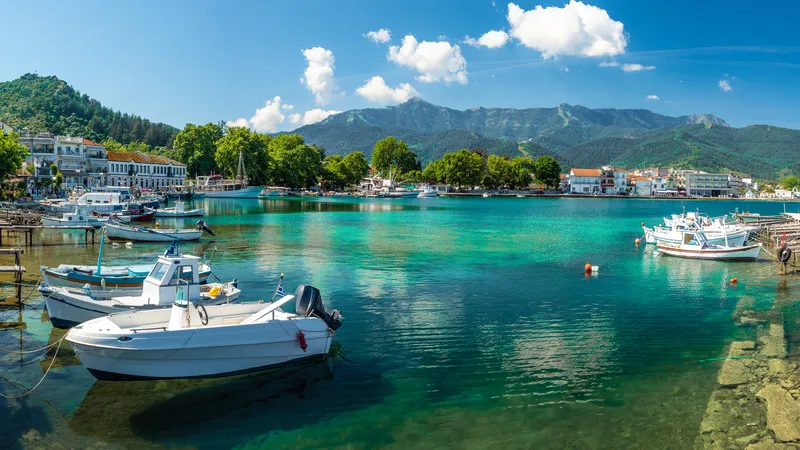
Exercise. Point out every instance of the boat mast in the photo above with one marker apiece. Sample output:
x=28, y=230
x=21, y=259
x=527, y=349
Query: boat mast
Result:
x=241, y=173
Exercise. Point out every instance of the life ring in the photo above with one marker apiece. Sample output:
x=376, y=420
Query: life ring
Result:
x=201, y=311
x=80, y=218
x=69, y=218
x=784, y=253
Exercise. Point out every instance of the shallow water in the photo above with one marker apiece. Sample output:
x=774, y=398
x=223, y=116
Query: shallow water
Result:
x=468, y=323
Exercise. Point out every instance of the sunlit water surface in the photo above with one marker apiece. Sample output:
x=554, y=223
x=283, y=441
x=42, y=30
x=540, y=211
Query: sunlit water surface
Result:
x=468, y=323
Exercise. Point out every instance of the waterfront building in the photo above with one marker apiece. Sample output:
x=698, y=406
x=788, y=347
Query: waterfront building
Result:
x=563, y=182
x=710, y=184
x=620, y=181
x=95, y=163
x=660, y=186
x=70, y=161
x=735, y=183
x=585, y=181
x=642, y=186
x=607, y=180
x=144, y=170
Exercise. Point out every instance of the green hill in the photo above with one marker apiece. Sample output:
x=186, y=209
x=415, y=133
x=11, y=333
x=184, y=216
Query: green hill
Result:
x=49, y=104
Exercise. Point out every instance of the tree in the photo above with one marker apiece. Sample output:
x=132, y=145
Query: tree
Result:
x=392, y=156
x=333, y=174
x=463, y=168
x=498, y=172
x=791, y=182
x=547, y=171
x=434, y=171
x=521, y=174
x=254, y=148
x=196, y=146
x=356, y=167
x=12, y=153
x=59, y=178
x=294, y=163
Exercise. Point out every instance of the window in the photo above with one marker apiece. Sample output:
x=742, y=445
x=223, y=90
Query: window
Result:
x=158, y=272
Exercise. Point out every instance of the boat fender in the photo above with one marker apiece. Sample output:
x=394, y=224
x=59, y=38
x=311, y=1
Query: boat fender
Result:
x=302, y=339
x=784, y=253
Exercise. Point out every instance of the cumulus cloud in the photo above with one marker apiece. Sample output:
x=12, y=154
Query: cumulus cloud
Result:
x=265, y=120
x=725, y=85
x=435, y=61
x=491, y=39
x=577, y=29
x=311, y=116
x=318, y=76
x=609, y=64
x=636, y=67
x=376, y=90
x=381, y=36
x=287, y=107
x=652, y=97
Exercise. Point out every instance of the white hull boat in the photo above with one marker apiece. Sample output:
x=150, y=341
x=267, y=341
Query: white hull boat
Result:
x=427, y=192
x=68, y=307
x=143, y=234
x=720, y=253
x=192, y=341
x=245, y=192
x=74, y=219
x=178, y=211
x=110, y=280
x=660, y=235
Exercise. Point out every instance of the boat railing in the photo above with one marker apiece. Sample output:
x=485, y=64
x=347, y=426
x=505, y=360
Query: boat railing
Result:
x=136, y=330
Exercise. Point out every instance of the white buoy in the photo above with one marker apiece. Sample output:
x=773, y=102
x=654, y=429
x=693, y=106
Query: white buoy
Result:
x=129, y=244
x=595, y=269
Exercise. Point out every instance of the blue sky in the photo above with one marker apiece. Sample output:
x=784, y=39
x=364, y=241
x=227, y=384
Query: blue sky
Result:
x=197, y=62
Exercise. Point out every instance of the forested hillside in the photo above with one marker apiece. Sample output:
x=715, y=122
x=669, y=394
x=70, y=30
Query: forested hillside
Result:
x=50, y=104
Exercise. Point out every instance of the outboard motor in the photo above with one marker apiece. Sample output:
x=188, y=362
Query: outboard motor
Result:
x=309, y=303
x=201, y=225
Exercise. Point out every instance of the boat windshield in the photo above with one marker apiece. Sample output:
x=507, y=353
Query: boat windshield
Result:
x=158, y=272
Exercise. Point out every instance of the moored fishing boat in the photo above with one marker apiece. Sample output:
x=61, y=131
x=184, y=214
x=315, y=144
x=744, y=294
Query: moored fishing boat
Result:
x=676, y=233
x=696, y=246
x=110, y=278
x=214, y=186
x=426, y=191
x=68, y=307
x=190, y=340
x=74, y=219
x=143, y=234
x=179, y=210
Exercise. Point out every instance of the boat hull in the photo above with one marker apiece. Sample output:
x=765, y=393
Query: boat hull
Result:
x=174, y=214
x=248, y=192
x=148, y=235
x=736, y=239
x=747, y=253
x=87, y=222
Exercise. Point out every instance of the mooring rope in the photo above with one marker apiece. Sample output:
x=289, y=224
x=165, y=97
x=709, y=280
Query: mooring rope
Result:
x=11, y=397
x=24, y=352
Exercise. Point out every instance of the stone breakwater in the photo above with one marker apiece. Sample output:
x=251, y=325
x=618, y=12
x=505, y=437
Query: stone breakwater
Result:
x=756, y=405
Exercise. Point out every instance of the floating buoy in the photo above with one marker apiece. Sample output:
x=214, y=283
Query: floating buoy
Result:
x=158, y=225
x=734, y=280
x=587, y=267
x=129, y=244
x=638, y=241
x=642, y=223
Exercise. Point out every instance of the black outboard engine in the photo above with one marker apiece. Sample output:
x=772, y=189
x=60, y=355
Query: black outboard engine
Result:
x=309, y=303
x=201, y=225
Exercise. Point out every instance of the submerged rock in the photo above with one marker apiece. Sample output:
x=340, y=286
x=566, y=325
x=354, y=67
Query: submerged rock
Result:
x=783, y=413
x=733, y=373
x=777, y=366
x=740, y=348
x=773, y=345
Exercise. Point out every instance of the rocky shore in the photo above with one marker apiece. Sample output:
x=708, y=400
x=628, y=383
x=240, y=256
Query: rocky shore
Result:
x=756, y=405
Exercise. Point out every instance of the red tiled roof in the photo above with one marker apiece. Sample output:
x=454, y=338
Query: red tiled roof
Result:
x=585, y=172
x=92, y=143
x=141, y=158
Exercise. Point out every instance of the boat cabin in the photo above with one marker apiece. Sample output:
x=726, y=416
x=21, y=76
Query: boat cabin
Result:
x=695, y=238
x=161, y=285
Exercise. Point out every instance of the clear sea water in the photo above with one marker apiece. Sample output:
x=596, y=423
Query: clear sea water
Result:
x=469, y=323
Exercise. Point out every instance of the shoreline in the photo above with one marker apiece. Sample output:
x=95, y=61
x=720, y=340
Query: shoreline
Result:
x=621, y=197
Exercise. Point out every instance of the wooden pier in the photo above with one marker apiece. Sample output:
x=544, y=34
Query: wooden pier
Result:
x=27, y=231
x=17, y=269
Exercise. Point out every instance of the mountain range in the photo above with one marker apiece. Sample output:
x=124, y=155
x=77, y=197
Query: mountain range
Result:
x=577, y=136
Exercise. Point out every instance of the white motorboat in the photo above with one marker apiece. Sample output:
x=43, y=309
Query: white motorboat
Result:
x=179, y=210
x=144, y=234
x=695, y=246
x=274, y=191
x=427, y=192
x=74, y=219
x=676, y=233
x=68, y=307
x=190, y=340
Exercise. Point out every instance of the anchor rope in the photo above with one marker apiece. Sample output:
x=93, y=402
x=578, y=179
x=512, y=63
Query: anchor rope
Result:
x=11, y=397
x=23, y=352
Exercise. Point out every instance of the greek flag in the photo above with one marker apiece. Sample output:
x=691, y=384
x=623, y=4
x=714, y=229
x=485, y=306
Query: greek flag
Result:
x=279, y=292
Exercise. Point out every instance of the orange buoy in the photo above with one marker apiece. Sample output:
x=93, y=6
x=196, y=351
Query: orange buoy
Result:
x=734, y=280
x=637, y=241
x=642, y=223
x=588, y=267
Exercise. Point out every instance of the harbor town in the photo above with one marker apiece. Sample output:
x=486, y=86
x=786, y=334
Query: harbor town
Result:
x=462, y=225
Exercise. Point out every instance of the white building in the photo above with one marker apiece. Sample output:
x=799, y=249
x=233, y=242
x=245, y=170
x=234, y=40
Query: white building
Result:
x=95, y=163
x=707, y=184
x=659, y=186
x=620, y=181
x=144, y=170
x=70, y=161
x=584, y=181
x=643, y=187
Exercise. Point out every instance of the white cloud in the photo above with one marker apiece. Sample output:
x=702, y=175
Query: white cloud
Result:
x=265, y=120
x=491, y=39
x=435, y=61
x=318, y=76
x=311, y=116
x=564, y=69
x=376, y=90
x=636, y=67
x=725, y=85
x=287, y=107
x=381, y=36
x=652, y=97
x=577, y=29
x=609, y=64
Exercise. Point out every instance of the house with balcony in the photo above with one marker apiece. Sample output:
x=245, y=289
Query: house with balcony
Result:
x=144, y=170
x=70, y=161
x=96, y=163
x=707, y=184
x=620, y=181
x=585, y=181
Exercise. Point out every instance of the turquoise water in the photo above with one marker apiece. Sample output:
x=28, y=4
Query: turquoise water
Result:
x=469, y=323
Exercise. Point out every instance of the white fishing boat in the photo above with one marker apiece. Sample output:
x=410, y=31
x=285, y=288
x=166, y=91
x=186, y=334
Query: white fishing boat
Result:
x=177, y=211
x=676, y=233
x=215, y=186
x=68, y=307
x=275, y=191
x=123, y=232
x=74, y=219
x=190, y=340
x=695, y=246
